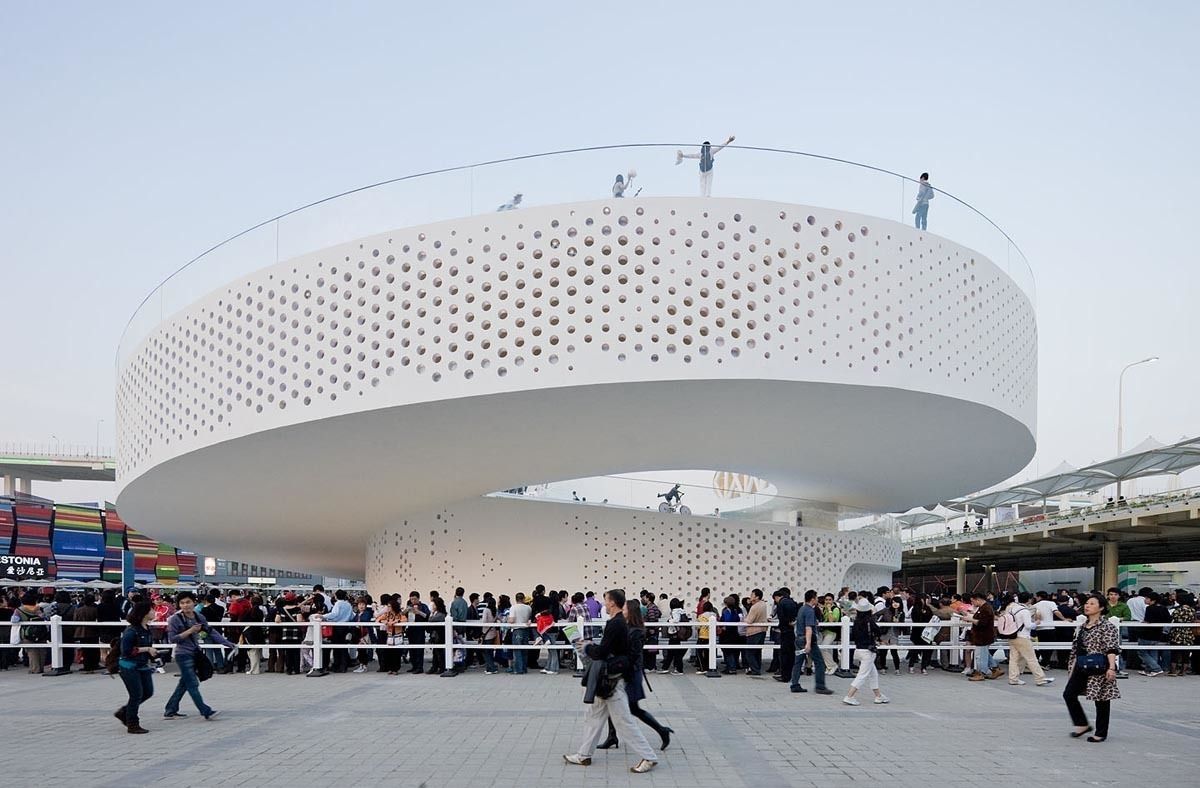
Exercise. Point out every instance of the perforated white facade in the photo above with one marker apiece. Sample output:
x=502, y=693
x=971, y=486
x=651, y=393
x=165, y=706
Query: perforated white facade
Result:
x=841, y=356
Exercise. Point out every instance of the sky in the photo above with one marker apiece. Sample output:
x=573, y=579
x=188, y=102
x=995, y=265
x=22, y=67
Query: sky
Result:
x=136, y=135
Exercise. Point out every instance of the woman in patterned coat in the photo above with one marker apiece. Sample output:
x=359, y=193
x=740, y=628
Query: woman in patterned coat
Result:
x=1096, y=636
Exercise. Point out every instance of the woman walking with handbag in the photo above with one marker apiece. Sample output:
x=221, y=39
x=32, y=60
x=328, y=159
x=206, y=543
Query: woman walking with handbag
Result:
x=1093, y=670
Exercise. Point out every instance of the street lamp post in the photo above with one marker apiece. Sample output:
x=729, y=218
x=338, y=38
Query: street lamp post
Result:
x=1121, y=409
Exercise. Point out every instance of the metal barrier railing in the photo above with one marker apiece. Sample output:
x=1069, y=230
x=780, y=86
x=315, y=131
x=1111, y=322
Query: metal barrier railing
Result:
x=319, y=642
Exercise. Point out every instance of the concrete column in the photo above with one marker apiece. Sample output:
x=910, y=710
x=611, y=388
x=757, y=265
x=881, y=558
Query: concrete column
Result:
x=9, y=486
x=989, y=572
x=960, y=575
x=1106, y=569
x=24, y=486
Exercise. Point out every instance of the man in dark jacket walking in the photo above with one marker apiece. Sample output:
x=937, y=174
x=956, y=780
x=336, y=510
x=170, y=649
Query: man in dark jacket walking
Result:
x=614, y=651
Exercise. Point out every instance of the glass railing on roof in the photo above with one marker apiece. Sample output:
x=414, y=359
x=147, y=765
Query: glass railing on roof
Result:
x=730, y=496
x=571, y=176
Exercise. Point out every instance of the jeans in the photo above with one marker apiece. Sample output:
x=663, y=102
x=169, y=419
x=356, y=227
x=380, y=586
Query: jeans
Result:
x=731, y=655
x=754, y=653
x=140, y=686
x=1076, y=686
x=187, y=683
x=984, y=662
x=520, y=637
x=216, y=655
x=1152, y=660
x=489, y=657
x=818, y=662
x=921, y=213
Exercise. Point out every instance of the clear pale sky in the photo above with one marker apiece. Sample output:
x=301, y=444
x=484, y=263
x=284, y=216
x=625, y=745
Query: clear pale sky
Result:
x=135, y=135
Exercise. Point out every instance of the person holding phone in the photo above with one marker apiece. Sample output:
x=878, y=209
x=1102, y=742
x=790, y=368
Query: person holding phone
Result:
x=183, y=630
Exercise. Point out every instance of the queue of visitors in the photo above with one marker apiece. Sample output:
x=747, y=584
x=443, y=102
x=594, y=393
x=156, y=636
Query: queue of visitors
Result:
x=225, y=629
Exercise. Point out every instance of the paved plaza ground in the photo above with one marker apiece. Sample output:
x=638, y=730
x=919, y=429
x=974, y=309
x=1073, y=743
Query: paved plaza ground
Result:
x=477, y=730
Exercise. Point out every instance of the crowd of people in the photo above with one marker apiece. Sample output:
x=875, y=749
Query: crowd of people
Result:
x=407, y=633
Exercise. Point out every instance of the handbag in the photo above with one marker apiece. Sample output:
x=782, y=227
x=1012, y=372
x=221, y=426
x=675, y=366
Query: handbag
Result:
x=203, y=666
x=1092, y=663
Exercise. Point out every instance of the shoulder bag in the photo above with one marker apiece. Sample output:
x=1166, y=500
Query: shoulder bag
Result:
x=1091, y=663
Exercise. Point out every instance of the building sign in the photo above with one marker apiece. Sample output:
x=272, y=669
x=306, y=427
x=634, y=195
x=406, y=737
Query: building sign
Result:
x=22, y=567
x=261, y=581
x=210, y=566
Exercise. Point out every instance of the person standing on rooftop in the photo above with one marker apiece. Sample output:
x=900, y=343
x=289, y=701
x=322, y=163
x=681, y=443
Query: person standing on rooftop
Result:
x=921, y=212
x=706, y=155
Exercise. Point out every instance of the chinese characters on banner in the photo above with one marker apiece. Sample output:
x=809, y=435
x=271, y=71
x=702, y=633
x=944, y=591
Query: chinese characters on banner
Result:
x=22, y=567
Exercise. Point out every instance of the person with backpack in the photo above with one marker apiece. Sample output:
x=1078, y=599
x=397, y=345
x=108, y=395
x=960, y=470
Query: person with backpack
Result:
x=707, y=156
x=132, y=661
x=32, y=638
x=87, y=612
x=1014, y=625
x=183, y=629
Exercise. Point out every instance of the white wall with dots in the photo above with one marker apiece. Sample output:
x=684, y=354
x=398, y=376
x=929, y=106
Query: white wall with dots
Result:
x=598, y=292
x=506, y=545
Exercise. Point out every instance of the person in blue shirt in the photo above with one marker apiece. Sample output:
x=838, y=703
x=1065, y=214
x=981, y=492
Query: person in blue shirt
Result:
x=137, y=646
x=183, y=630
x=807, y=642
x=338, y=658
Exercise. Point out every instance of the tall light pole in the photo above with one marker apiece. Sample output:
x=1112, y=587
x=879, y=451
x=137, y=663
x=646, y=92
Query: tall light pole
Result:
x=1121, y=409
x=98, y=423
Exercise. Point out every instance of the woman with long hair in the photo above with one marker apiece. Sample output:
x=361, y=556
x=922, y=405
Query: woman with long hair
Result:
x=1096, y=636
x=893, y=613
x=635, y=689
x=137, y=646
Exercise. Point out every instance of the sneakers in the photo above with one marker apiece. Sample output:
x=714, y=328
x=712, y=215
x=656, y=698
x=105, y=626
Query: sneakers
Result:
x=676, y=672
x=643, y=766
x=1045, y=681
x=1122, y=674
x=578, y=760
x=823, y=691
x=490, y=672
x=798, y=688
x=851, y=701
x=173, y=715
x=361, y=669
x=897, y=671
x=968, y=671
x=924, y=672
x=663, y=672
x=212, y=715
x=977, y=677
x=1150, y=673
x=882, y=699
x=1019, y=682
x=911, y=669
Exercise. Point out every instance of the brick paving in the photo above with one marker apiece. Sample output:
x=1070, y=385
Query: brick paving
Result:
x=476, y=730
